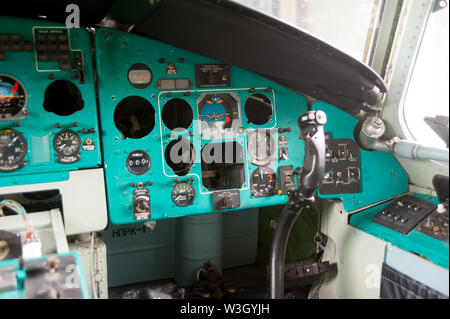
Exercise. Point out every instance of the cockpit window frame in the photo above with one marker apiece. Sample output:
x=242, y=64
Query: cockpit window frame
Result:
x=404, y=123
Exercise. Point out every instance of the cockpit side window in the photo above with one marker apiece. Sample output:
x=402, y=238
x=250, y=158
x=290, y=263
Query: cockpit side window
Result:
x=427, y=94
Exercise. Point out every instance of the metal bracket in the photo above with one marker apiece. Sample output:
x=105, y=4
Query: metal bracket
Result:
x=306, y=268
x=439, y=5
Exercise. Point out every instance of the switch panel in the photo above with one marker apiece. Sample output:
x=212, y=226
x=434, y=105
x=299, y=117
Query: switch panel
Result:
x=436, y=225
x=404, y=213
x=141, y=204
x=53, y=45
x=226, y=200
x=283, y=154
x=342, y=168
x=13, y=43
x=287, y=181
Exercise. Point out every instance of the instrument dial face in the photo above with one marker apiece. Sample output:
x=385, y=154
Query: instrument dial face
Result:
x=183, y=194
x=138, y=162
x=218, y=112
x=263, y=182
x=140, y=76
x=13, y=148
x=261, y=145
x=67, y=143
x=13, y=97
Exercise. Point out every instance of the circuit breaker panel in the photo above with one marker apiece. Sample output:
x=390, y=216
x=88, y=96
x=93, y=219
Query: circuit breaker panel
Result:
x=342, y=167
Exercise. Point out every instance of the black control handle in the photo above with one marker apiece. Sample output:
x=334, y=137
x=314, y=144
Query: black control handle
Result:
x=311, y=127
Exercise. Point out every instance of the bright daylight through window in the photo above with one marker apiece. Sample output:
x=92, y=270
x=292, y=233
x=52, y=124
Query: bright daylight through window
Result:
x=427, y=94
x=345, y=24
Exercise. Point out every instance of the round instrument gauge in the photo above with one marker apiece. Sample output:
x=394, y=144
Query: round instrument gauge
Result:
x=138, y=162
x=261, y=146
x=140, y=76
x=218, y=111
x=13, y=148
x=13, y=96
x=183, y=194
x=263, y=182
x=67, y=143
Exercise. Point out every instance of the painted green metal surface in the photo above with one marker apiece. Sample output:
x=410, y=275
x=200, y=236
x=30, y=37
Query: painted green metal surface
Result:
x=19, y=293
x=381, y=175
x=301, y=244
x=39, y=127
x=416, y=242
x=116, y=52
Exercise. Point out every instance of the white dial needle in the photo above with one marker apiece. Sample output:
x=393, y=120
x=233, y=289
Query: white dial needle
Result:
x=13, y=141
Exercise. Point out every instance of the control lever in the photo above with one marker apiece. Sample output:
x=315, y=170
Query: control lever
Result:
x=311, y=127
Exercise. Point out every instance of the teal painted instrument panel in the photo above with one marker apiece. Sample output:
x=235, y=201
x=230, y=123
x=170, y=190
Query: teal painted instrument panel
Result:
x=415, y=242
x=381, y=174
x=116, y=53
x=21, y=275
x=39, y=127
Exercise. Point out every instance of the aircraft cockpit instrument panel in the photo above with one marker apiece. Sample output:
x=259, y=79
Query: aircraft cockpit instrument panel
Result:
x=48, y=117
x=181, y=134
x=185, y=135
x=187, y=132
x=120, y=143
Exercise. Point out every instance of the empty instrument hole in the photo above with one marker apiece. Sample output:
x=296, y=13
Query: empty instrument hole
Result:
x=258, y=109
x=63, y=98
x=134, y=117
x=177, y=114
x=180, y=156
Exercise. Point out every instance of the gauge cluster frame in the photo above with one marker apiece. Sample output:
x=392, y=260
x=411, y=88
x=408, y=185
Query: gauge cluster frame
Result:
x=38, y=126
x=116, y=52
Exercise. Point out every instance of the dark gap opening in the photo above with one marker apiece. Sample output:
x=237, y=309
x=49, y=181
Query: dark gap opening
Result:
x=225, y=169
x=180, y=156
x=258, y=109
x=63, y=98
x=177, y=113
x=35, y=202
x=134, y=117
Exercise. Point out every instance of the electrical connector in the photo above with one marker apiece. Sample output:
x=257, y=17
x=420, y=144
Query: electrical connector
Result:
x=31, y=248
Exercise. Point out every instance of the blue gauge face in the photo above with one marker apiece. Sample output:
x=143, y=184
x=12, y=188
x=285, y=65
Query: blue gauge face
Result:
x=12, y=96
x=213, y=110
x=218, y=110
